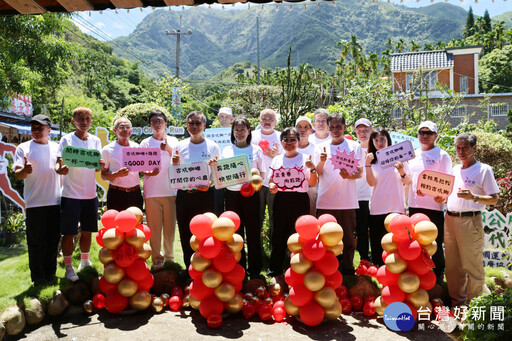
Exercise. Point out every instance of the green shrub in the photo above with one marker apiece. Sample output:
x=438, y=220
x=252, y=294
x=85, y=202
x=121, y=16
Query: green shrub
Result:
x=496, y=151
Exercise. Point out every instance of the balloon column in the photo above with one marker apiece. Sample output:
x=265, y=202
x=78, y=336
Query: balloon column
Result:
x=126, y=279
x=313, y=275
x=254, y=184
x=216, y=276
x=408, y=274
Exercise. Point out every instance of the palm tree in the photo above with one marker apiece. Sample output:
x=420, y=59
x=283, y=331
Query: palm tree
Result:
x=400, y=45
x=414, y=47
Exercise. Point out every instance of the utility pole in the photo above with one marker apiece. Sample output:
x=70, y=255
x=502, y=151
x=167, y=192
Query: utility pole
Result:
x=178, y=35
x=258, y=44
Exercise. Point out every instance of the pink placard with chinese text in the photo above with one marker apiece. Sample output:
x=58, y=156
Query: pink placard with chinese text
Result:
x=435, y=184
x=141, y=159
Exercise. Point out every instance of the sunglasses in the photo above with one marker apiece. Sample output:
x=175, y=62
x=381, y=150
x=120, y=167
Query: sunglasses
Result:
x=194, y=123
x=290, y=140
x=424, y=132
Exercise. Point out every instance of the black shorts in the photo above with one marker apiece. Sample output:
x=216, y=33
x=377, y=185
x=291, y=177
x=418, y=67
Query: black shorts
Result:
x=73, y=211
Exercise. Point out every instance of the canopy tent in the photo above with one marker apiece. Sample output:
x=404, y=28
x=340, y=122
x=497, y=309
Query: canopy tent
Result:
x=24, y=129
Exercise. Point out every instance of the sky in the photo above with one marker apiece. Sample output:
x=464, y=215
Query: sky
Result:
x=109, y=24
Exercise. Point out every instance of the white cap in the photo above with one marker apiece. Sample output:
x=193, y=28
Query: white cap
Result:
x=303, y=118
x=428, y=124
x=226, y=110
x=363, y=121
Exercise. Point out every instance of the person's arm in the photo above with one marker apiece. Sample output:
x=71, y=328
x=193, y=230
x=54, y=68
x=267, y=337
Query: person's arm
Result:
x=60, y=168
x=406, y=176
x=354, y=175
x=488, y=200
x=107, y=175
x=370, y=177
x=21, y=171
x=321, y=163
x=312, y=173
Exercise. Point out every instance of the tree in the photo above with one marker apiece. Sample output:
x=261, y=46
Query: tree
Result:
x=486, y=26
x=469, y=28
x=496, y=70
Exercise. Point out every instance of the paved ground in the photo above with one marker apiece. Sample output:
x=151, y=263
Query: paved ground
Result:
x=190, y=325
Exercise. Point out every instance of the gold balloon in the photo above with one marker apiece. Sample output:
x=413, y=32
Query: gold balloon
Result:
x=236, y=243
x=238, y=256
x=388, y=219
x=193, y=302
x=138, y=213
x=194, y=243
x=380, y=305
x=425, y=232
x=331, y=234
x=199, y=263
x=256, y=182
x=141, y=300
x=314, y=280
x=145, y=251
x=135, y=238
x=186, y=302
x=388, y=244
x=395, y=263
x=88, y=306
x=255, y=171
x=300, y=264
x=212, y=278
x=127, y=287
x=235, y=305
x=223, y=229
x=113, y=238
x=113, y=273
x=106, y=256
x=431, y=248
x=294, y=244
x=165, y=298
x=408, y=281
x=225, y=292
x=211, y=215
x=336, y=249
x=291, y=308
x=326, y=297
x=334, y=311
x=158, y=305
x=418, y=299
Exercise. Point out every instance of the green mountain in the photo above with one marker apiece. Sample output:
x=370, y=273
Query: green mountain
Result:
x=221, y=38
x=506, y=17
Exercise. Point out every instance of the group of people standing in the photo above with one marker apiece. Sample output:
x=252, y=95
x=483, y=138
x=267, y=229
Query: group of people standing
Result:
x=359, y=199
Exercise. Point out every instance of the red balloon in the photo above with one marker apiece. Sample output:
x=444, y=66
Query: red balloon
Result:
x=224, y=261
x=265, y=312
x=278, y=304
x=416, y=218
x=369, y=298
x=175, y=303
x=341, y=291
x=392, y=293
x=233, y=216
x=334, y=280
x=105, y=286
x=292, y=278
x=384, y=255
x=211, y=305
x=418, y=266
x=307, y=227
x=99, y=237
x=328, y=264
x=147, y=282
x=409, y=249
x=365, y=262
x=372, y=270
x=401, y=226
x=348, y=137
x=278, y=313
x=264, y=145
x=300, y=295
x=357, y=302
x=314, y=249
x=248, y=309
x=108, y=219
x=361, y=270
x=246, y=190
x=125, y=255
x=115, y=302
x=125, y=221
x=312, y=314
x=199, y=291
x=138, y=270
x=346, y=305
x=239, y=286
x=428, y=280
x=235, y=276
x=413, y=310
x=201, y=226
x=369, y=308
x=99, y=301
x=146, y=230
x=214, y=321
x=386, y=277
x=326, y=218
x=210, y=247
x=194, y=274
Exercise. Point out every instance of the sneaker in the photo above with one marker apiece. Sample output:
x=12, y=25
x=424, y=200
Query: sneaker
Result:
x=158, y=265
x=71, y=274
x=84, y=264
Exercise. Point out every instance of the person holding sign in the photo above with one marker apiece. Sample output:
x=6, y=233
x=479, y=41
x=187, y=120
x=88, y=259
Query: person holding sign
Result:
x=292, y=173
x=124, y=188
x=303, y=126
x=337, y=193
x=429, y=157
x=159, y=197
x=79, y=202
x=474, y=188
x=388, y=190
x=33, y=163
x=247, y=208
x=189, y=203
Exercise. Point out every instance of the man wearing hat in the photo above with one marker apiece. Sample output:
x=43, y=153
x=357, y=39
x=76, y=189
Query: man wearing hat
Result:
x=225, y=117
x=304, y=127
x=33, y=162
x=429, y=157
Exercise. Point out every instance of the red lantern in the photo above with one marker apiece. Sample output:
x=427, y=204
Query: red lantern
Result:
x=210, y=305
x=428, y=280
x=409, y=249
x=108, y=219
x=201, y=226
x=357, y=302
x=246, y=190
x=334, y=280
x=214, y=321
x=99, y=301
x=224, y=261
x=312, y=314
x=392, y=293
x=210, y=247
x=126, y=254
x=328, y=264
x=300, y=295
x=138, y=270
x=125, y=221
x=199, y=291
x=233, y=216
x=307, y=227
x=115, y=302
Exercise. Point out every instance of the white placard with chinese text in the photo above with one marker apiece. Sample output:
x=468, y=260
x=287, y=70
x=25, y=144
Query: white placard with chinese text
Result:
x=497, y=229
x=231, y=171
x=221, y=136
x=189, y=175
x=398, y=137
x=435, y=184
x=400, y=152
x=141, y=159
x=288, y=178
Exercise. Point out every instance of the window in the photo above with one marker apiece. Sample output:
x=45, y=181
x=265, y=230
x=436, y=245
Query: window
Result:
x=397, y=113
x=464, y=87
x=425, y=81
x=498, y=109
x=459, y=112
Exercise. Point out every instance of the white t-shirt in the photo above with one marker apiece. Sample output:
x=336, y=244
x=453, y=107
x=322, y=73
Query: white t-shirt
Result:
x=254, y=153
x=479, y=179
x=334, y=192
x=159, y=186
x=434, y=159
x=298, y=161
x=201, y=152
x=316, y=140
x=309, y=150
x=112, y=154
x=79, y=183
x=364, y=191
x=42, y=186
x=272, y=139
x=389, y=192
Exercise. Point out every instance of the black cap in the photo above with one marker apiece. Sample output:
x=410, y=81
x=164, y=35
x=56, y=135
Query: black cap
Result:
x=41, y=119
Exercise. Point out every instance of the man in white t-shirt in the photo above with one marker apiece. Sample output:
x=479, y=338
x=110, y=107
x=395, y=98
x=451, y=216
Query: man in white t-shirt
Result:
x=363, y=130
x=474, y=188
x=320, y=125
x=337, y=188
x=268, y=140
x=79, y=203
x=33, y=162
x=429, y=157
x=159, y=197
x=124, y=188
x=225, y=117
x=304, y=127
